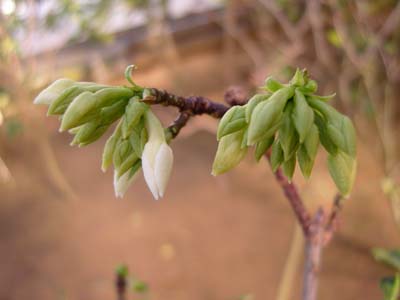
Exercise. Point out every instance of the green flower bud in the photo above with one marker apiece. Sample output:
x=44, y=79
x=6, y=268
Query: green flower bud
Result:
x=128, y=163
x=110, y=114
x=303, y=115
x=310, y=87
x=272, y=85
x=308, y=151
x=138, y=138
x=276, y=155
x=342, y=168
x=288, y=167
x=122, y=183
x=61, y=103
x=229, y=153
x=267, y=114
x=252, y=103
x=89, y=132
x=288, y=137
x=78, y=111
x=109, y=148
x=133, y=114
x=121, y=153
x=299, y=78
x=107, y=96
x=233, y=120
x=53, y=91
x=262, y=147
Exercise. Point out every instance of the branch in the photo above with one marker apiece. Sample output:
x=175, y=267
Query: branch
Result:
x=196, y=105
x=295, y=200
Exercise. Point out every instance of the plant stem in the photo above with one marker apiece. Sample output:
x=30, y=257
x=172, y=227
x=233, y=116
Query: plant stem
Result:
x=313, y=253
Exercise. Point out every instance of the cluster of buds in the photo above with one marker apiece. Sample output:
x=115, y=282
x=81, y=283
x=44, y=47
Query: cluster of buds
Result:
x=87, y=110
x=292, y=121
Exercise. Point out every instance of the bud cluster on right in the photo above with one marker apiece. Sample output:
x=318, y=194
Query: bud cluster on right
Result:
x=292, y=121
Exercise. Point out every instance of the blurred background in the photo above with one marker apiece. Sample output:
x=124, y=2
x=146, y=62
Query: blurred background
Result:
x=62, y=232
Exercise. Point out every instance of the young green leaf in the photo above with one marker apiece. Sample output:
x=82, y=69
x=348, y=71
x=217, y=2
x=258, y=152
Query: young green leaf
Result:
x=303, y=115
x=288, y=167
x=252, y=103
x=233, y=120
x=267, y=114
x=288, y=137
x=229, y=153
x=342, y=168
x=276, y=155
x=262, y=147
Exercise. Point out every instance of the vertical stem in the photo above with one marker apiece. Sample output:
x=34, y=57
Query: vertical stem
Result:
x=313, y=253
x=120, y=285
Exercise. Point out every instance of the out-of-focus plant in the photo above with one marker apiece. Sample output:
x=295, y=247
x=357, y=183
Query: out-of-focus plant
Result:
x=126, y=283
x=285, y=123
x=390, y=285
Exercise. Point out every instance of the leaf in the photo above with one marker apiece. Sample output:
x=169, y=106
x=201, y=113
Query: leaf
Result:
x=389, y=257
x=266, y=114
x=262, y=147
x=288, y=167
x=342, y=168
x=276, y=155
x=233, y=120
x=303, y=115
x=288, y=136
x=252, y=103
x=272, y=85
x=229, y=153
x=390, y=287
x=324, y=137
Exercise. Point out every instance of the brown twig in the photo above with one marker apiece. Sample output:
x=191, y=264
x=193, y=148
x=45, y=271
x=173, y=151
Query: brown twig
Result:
x=121, y=284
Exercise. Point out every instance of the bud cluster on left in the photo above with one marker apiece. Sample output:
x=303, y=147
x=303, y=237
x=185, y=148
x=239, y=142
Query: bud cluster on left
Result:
x=87, y=110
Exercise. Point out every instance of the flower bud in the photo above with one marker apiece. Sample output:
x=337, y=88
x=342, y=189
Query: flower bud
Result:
x=133, y=113
x=122, y=183
x=272, y=85
x=61, y=103
x=78, y=111
x=266, y=114
x=109, y=148
x=299, y=78
x=229, y=153
x=233, y=120
x=157, y=157
x=107, y=96
x=53, y=91
x=89, y=132
x=303, y=115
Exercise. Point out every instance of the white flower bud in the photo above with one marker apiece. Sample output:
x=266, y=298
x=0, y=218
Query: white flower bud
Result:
x=122, y=183
x=157, y=157
x=53, y=91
